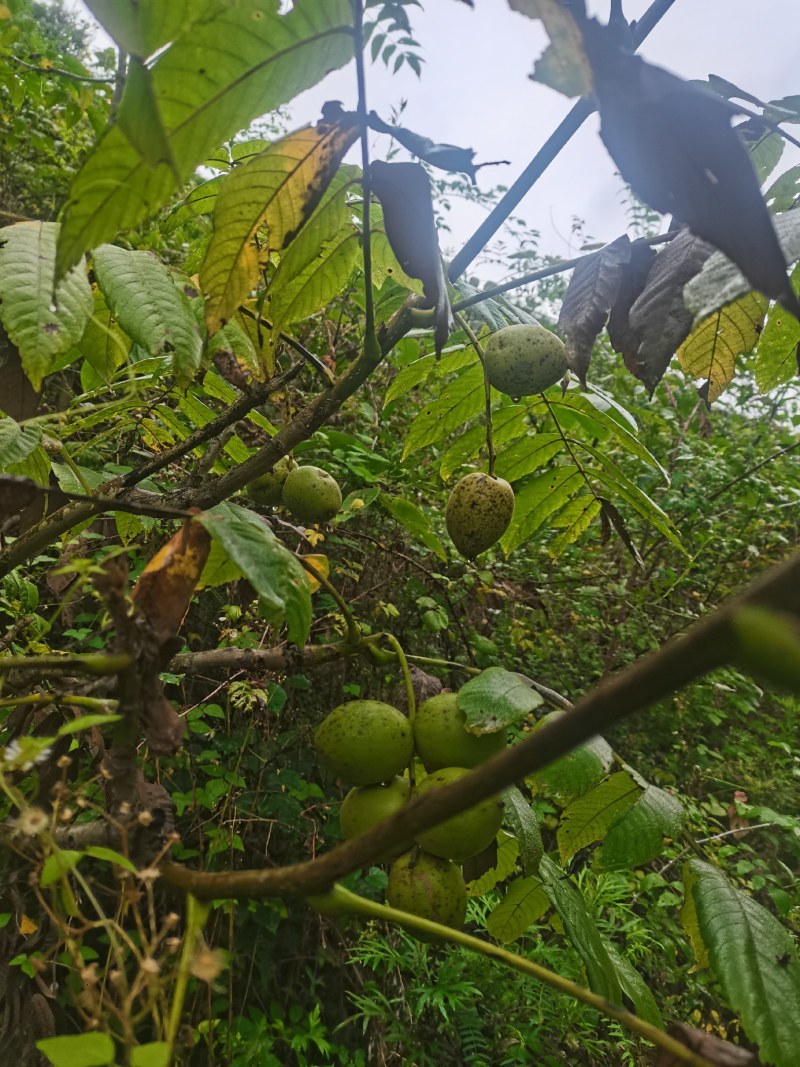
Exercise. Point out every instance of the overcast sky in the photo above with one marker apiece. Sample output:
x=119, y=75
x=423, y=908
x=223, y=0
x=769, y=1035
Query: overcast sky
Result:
x=475, y=92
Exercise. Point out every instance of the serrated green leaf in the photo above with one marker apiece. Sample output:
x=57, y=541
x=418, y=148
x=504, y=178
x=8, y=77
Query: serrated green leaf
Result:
x=279, y=188
x=267, y=59
x=537, y=500
x=421, y=370
x=272, y=570
x=522, y=818
x=149, y=307
x=589, y=818
x=57, y=864
x=638, y=835
x=754, y=959
x=574, y=519
x=417, y=524
x=634, y=987
x=711, y=348
x=41, y=327
x=17, y=442
x=524, y=903
x=78, y=1050
x=777, y=351
x=456, y=404
x=581, y=929
x=507, y=424
x=575, y=774
x=507, y=853
x=496, y=699
x=527, y=454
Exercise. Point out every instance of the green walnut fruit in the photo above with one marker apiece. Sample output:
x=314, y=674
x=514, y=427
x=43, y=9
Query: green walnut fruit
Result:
x=430, y=887
x=524, y=359
x=268, y=488
x=311, y=494
x=465, y=834
x=366, y=805
x=478, y=512
x=441, y=738
x=365, y=742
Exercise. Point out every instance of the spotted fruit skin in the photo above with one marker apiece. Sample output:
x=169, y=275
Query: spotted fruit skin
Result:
x=365, y=742
x=441, y=739
x=465, y=834
x=311, y=494
x=268, y=488
x=430, y=887
x=367, y=805
x=524, y=359
x=479, y=511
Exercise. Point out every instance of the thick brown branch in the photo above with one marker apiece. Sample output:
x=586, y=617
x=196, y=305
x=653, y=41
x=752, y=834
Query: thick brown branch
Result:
x=706, y=646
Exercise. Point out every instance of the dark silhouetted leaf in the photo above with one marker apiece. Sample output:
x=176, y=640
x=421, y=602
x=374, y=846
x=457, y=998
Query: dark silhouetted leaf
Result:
x=592, y=291
x=615, y=520
x=404, y=191
x=563, y=66
x=674, y=144
x=165, y=587
x=623, y=338
x=447, y=157
x=659, y=316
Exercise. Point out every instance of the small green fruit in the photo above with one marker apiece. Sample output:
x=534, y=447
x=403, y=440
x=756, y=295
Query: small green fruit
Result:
x=441, y=738
x=311, y=494
x=367, y=805
x=478, y=512
x=268, y=488
x=365, y=742
x=465, y=834
x=430, y=887
x=524, y=359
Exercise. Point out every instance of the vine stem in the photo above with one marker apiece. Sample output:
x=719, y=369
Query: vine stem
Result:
x=410, y=698
x=353, y=629
x=473, y=340
x=197, y=914
x=340, y=901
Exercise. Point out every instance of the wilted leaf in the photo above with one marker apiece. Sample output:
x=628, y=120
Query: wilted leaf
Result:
x=563, y=66
x=321, y=565
x=404, y=191
x=674, y=144
x=711, y=348
x=42, y=327
x=659, y=317
x=278, y=189
x=615, y=520
x=165, y=587
x=623, y=338
x=447, y=157
x=495, y=699
x=591, y=293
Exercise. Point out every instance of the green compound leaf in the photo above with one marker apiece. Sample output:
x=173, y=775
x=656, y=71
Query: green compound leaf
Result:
x=754, y=959
x=537, y=500
x=150, y=308
x=495, y=699
x=527, y=454
x=78, y=1050
x=278, y=189
x=581, y=929
x=272, y=570
x=574, y=519
x=17, y=442
x=421, y=370
x=204, y=94
x=589, y=818
x=524, y=903
x=777, y=352
x=458, y=402
x=575, y=774
x=522, y=818
x=638, y=836
x=41, y=326
x=417, y=524
x=507, y=424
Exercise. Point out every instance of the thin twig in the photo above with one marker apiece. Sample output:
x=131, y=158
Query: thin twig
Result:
x=82, y=78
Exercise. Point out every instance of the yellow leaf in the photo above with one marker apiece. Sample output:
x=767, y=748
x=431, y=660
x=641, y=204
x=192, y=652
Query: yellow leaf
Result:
x=321, y=565
x=314, y=537
x=26, y=925
x=5, y=12
x=711, y=348
x=277, y=189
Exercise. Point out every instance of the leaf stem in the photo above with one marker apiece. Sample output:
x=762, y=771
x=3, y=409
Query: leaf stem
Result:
x=353, y=629
x=465, y=326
